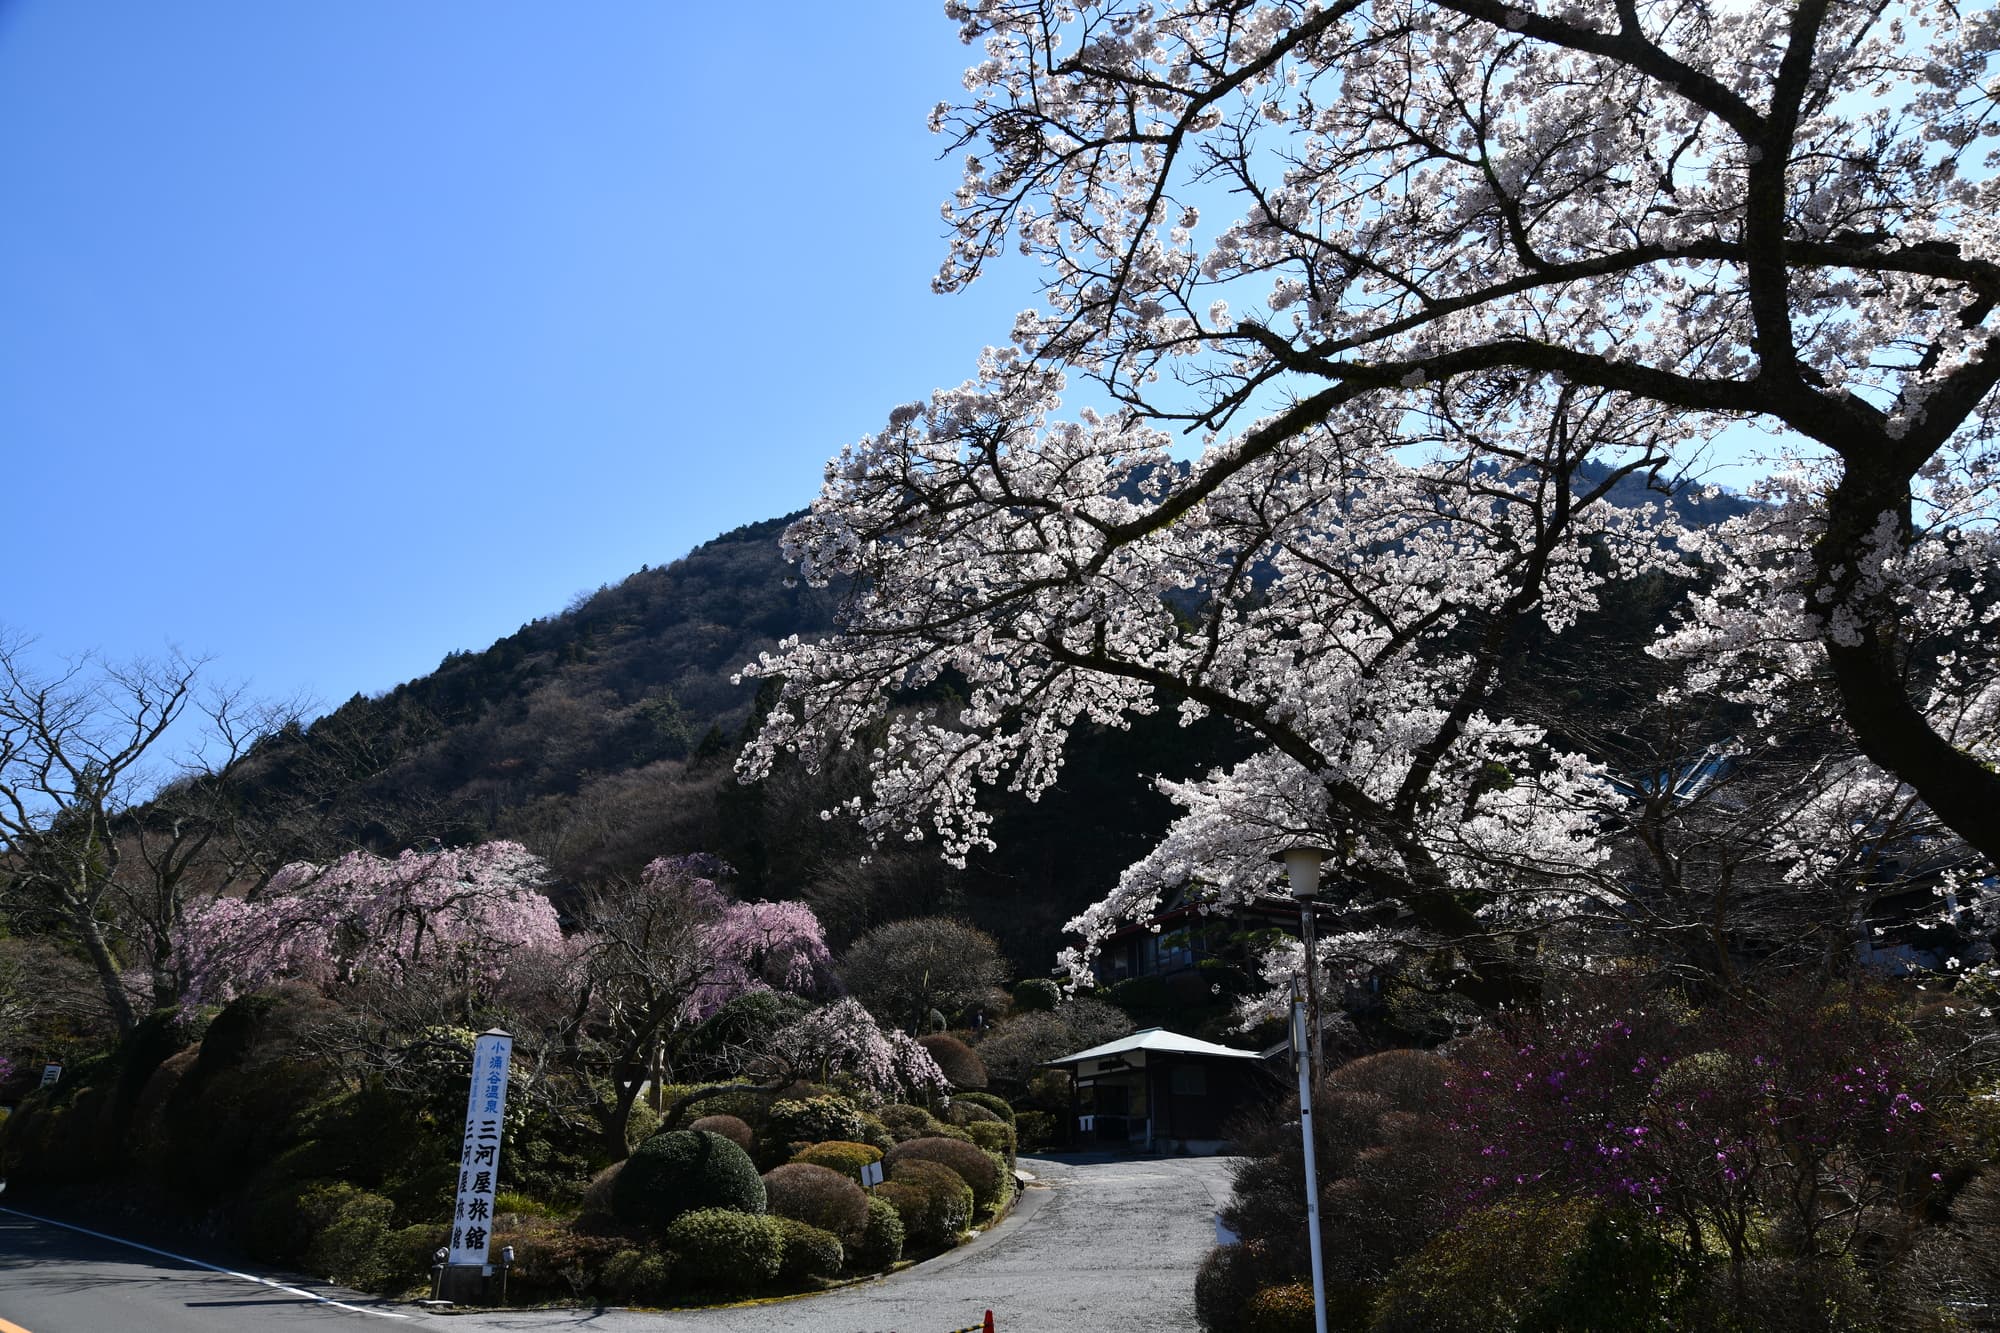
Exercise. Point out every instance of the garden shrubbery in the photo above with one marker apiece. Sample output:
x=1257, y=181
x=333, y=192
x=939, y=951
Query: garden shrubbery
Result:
x=846, y=1158
x=961, y=1064
x=812, y=1120
x=683, y=1171
x=881, y=1243
x=819, y=1195
x=726, y=1252
x=978, y=1168
x=991, y=1101
x=733, y=1128
x=810, y=1252
x=934, y=1202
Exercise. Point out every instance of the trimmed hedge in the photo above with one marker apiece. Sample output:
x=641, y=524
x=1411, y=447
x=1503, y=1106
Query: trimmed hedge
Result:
x=961, y=1064
x=810, y=1251
x=997, y=1137
x=974, y=1165
x=733, y=1128
x=992, y=1102
x=1036, y=995
x=966, y=1114
x=846, y=1158
x=933, y=1200
x=1033, y=1131
x=814, y=1120
x=727, y=1252
x=684, y=1171
x=881, y=1243
x=907, y=1122
x=819, y=1195
x=1223, y=1286
x=638, y=1276
x=1286, y=1309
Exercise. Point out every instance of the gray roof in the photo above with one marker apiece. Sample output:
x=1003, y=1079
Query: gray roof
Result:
x=1159, y=1041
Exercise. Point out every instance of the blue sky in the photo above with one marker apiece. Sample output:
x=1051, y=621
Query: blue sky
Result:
x=341, y=336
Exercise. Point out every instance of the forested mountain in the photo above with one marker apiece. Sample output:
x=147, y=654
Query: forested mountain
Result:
x=604, y=736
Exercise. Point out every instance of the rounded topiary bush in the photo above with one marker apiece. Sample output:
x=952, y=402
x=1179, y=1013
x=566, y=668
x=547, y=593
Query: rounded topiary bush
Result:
x=961, y=1064
x=643, y=1276
x=596, y=1200
x=733, y=1128
x=933, y=1200
x=1036, y=995
x=810, y=1251
x=991, y=1101
x=1033, y=1131
x=909, y=1122
x=819, y=1195
x=997, y=1137
x=846, y=1158
x=974, y=1165
x=881, y=1243
x=1285, y=1309
x=1223, y=1285
x=814, y=1120
x=726, y=1251
x=966, y=1114
x=682, y=1171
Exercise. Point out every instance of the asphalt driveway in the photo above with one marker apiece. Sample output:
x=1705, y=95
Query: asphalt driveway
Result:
x=1107, y=1245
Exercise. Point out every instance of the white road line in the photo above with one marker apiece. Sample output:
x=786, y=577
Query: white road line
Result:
x=226, y=1272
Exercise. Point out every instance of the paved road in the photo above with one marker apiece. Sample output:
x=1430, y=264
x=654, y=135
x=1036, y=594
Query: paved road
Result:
x=1098, y=1245
x=56, y=1280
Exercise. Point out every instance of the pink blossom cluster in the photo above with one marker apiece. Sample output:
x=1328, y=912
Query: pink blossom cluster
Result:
x=843, y=1040
x=366, y=916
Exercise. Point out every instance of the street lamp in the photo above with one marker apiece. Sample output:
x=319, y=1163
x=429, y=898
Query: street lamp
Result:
x=1302, y=874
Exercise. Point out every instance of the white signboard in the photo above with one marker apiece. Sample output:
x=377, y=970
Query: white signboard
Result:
x=871, y=1174
x=479, y=1155
x=50, y=1073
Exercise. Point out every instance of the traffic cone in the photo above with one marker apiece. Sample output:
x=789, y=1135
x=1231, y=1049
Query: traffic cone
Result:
x=989, y=1323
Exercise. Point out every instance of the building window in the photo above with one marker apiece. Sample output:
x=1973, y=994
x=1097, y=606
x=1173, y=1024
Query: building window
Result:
x=1190, y=1081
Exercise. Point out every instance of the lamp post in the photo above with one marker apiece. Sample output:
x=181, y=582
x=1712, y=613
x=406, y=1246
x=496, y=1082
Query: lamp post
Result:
x=1302, y=874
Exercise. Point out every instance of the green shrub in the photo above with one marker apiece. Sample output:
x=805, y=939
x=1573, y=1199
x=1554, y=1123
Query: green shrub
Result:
x=876, y=1134
x=819, y=1195
x=1529, y=1265
x=358, y=1252
x=961, y=1064
x=727, y=1252
x=906, y=1122
x=638, y=1277
x=810, y=1251
x=683, y=1171
x=881, y=1243
x=991, y=1101
x=1036, y=995
x=522, y=1205
x=747, y=1103
x=1223, y=1285
x=596, y=1200
x=966, y=1114
x=974, y=1165
x=997, y=1137
x=846, y=1158
x=814, y=1120
x=555, y=1263
x=279, y=1223
x=747, y=1023
x=1284, y=1309
x=933, y=1200
x=1033, y=1130
x=733, y=1128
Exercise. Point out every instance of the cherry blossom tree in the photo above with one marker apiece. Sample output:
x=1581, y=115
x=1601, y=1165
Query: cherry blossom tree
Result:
x=465, y=914
x=1486, y=262
x=658, y=956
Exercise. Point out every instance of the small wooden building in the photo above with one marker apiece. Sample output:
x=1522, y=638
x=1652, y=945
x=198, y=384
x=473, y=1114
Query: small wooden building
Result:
x=1159, y=1091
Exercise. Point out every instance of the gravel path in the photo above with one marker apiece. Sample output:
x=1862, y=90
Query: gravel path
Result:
x=1104, y=1245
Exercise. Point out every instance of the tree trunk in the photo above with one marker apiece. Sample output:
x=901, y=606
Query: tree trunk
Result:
x=109, y=975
